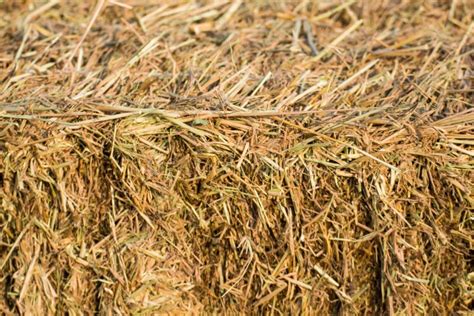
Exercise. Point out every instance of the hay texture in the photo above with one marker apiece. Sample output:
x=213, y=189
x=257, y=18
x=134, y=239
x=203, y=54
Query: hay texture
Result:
x=236, y=157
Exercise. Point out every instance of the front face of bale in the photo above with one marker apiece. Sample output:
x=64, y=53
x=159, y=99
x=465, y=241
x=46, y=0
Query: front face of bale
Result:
x=201, y=157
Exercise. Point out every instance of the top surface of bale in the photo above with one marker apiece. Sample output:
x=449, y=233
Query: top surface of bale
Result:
x=236, y=156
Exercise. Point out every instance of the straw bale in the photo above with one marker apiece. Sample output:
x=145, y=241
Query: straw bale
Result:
x=255, y=157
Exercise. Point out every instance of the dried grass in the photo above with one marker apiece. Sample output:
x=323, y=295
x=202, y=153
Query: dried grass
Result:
x=236, y=156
